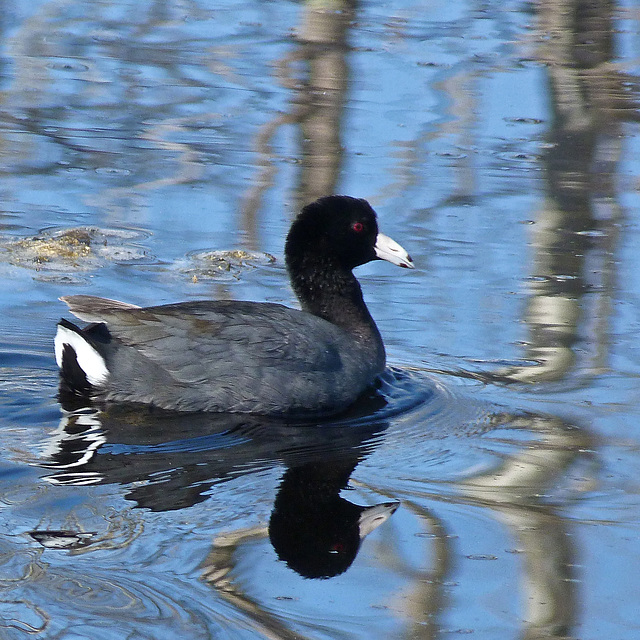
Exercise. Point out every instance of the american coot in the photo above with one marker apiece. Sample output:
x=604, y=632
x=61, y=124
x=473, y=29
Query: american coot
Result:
x=248, y=357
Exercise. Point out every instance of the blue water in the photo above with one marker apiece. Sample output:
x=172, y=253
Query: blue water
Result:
x=156, y=152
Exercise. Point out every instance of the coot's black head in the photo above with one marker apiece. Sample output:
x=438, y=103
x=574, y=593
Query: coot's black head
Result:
x=342, y=232
x=338, y=230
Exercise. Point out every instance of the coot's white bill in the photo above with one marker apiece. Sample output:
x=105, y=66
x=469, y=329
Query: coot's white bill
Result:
x=389, y=250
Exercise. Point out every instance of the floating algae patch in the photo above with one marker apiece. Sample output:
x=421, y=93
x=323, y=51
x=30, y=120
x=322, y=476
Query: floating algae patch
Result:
x=75, y=249
x=207, y=265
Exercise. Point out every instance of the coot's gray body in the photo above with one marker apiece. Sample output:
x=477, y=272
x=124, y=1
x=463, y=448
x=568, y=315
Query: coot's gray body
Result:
x=228, y=356
x=247, y=357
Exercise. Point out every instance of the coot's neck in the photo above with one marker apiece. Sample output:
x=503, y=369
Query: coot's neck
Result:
x=332, y=292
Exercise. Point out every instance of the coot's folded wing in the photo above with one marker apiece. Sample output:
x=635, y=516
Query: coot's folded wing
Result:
x=205, y=340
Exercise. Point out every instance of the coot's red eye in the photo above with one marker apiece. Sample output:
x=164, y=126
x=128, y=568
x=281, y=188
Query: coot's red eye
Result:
x=358, y=227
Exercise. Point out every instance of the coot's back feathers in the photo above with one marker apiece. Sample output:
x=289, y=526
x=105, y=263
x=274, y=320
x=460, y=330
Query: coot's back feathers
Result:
x=229, y=356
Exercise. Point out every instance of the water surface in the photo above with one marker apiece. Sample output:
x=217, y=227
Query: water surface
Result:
x=157, y=151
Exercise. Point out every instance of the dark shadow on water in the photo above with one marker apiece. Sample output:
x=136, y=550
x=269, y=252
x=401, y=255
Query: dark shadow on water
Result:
x=174, y=459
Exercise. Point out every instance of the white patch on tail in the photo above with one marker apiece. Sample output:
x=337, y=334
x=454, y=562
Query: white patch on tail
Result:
x=89, y=360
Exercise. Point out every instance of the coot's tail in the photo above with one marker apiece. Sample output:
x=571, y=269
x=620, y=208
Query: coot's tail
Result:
x=78, y=353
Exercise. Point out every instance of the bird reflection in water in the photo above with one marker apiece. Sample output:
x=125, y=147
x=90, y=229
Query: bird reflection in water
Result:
x=312, y=528
x=170, y=461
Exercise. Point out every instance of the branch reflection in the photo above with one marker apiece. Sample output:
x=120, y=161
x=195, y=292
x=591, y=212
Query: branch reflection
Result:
x=528, y=492
x=574, y=235
x=317, y=74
